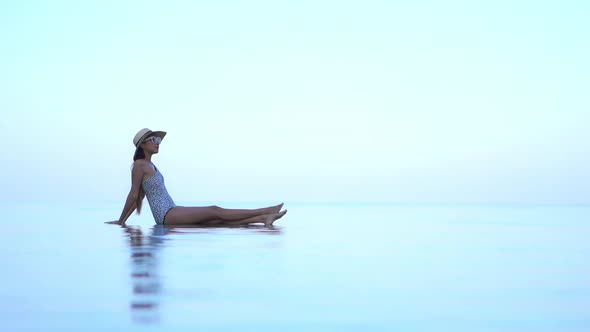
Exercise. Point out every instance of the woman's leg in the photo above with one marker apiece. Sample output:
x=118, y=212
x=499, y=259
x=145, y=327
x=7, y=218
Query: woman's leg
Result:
x=267, y=219
x=182, y=215
x=240, y=214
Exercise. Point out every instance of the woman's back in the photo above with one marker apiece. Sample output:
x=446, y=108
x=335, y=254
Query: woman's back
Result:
x=157, y=195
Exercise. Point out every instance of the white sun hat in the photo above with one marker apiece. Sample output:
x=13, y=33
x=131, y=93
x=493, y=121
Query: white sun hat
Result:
x=145, y=133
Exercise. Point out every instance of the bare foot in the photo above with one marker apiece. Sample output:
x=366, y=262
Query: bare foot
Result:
x=277, y=208
x=269, y=219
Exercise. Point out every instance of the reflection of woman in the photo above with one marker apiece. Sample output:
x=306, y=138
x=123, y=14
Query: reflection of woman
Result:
x=145, y=276
x=146, y=180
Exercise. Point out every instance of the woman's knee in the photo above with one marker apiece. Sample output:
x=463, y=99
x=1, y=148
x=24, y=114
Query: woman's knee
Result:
x=215, y=210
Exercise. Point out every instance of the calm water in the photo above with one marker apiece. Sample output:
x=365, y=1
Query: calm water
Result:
x=322, y=268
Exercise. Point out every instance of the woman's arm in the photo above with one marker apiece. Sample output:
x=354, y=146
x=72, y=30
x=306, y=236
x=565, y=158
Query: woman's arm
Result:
x=130, y=203
x=129, y=213
x=128, y=208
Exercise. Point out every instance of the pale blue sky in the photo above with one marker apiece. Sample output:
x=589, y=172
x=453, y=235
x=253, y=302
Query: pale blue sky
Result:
x=423, y=101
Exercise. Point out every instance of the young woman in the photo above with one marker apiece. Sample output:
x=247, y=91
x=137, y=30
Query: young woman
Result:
x=146, y=180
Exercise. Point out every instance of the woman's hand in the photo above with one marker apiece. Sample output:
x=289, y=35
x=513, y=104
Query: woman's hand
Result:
x=114, y=222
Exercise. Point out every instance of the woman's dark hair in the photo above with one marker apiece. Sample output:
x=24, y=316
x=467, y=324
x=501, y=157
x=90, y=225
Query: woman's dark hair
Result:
x=139, y=154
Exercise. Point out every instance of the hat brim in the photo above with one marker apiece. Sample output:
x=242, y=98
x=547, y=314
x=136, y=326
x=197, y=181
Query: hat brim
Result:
x=158, y=133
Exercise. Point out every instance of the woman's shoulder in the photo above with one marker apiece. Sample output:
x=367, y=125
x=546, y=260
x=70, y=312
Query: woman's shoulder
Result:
x=140, y=164
x=144, y=165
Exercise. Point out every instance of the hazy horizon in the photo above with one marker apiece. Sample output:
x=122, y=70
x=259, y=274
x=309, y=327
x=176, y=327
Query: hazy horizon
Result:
x=375, y=101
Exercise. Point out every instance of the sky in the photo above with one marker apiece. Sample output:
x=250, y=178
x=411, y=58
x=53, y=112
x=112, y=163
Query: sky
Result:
x=308, y=101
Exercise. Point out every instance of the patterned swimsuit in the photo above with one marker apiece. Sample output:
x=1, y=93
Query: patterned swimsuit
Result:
x=157, y=195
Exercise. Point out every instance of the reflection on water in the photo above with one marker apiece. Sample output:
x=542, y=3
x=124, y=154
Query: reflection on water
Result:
x=145, y=275
x=332, y=268
x=145, y=251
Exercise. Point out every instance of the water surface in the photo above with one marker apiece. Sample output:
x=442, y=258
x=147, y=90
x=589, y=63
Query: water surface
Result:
x=322, y=268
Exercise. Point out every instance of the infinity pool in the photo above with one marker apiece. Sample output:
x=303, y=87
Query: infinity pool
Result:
x=333, y=267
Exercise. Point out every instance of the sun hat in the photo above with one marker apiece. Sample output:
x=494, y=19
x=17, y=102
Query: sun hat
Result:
x=144, y=133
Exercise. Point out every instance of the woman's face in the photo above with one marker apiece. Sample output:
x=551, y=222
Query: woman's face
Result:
x=151, y=144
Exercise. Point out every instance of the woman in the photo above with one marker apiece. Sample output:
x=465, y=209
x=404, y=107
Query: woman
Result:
x=146, y=180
